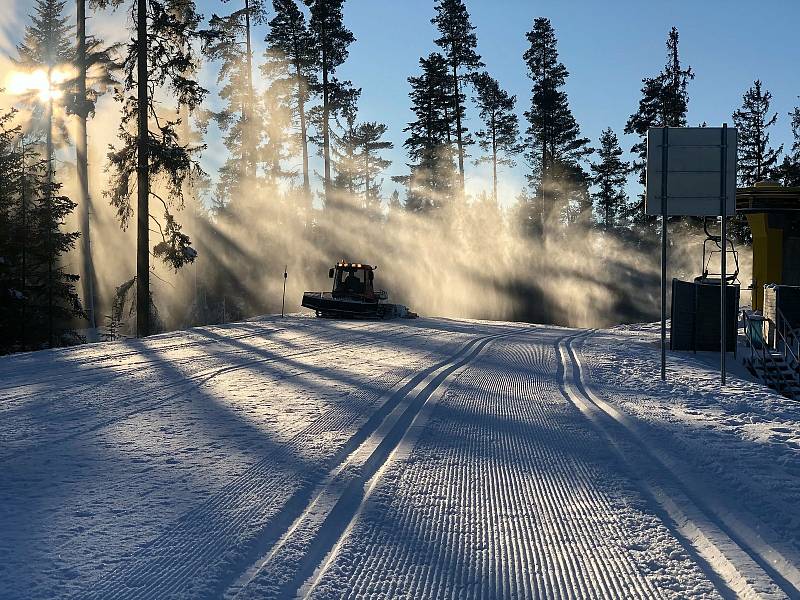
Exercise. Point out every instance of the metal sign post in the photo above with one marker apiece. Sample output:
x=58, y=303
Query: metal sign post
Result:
x=723, y=284
x=285, y=276
x=691, y=171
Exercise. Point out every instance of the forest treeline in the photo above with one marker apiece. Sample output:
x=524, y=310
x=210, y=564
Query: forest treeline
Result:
x=266, y=208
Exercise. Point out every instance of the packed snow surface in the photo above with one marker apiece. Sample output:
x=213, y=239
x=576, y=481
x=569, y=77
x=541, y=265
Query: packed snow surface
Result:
x=302, y=457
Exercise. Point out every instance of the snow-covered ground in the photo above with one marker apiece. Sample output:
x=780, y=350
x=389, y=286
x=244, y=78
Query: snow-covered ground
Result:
x=406, y=459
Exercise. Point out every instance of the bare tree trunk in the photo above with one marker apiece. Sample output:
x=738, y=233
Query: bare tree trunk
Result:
x=543, y=185
x=366, y=178
x=82, y=160
x=247, y=135
x=459, y=141
x=494, y=159
x=50, y=258
x=303, y=132
x=142, y=180
x=24, y=275
x=326, y=110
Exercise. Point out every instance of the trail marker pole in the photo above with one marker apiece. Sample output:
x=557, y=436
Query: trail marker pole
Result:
x=285, y=276
x=664, y=167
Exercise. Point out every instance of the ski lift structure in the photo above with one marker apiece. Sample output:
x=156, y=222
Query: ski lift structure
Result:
x=695, y=310
x=712, y=248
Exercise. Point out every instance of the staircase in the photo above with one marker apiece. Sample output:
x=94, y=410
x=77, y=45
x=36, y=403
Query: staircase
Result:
x=778, y=368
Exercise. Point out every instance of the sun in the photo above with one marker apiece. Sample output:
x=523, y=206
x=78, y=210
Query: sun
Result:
x=20, y=83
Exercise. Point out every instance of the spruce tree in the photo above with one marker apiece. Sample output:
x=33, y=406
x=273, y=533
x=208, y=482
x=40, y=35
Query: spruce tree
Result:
x=756, y=158
x=664, y=103
x=344, y=151
x=331, y=42
x=359, y=162
x=150, y=149
x=500, y=136
x=291, y=58
x=342, y=112
x=277, y=144
x=37, y=296
x=789, y=170
x=13, y=236
x=47, y=38
x=52, y=290
x=609, y=176
x=458, y=43
x=430, y=184
x=394, y=205
x=47, y=46
x=555, y=148
x=370, y=142
x=228, y=41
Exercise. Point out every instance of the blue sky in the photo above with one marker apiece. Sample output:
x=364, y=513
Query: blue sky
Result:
x=607, y=46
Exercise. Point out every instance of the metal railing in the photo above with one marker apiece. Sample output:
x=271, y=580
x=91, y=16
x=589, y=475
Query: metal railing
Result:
x=759, y=348
x=787, y=341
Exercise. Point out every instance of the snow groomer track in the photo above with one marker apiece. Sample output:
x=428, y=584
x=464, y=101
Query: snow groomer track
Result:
x=285, y=458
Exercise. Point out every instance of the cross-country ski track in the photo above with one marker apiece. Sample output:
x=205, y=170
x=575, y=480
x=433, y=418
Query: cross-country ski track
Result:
x=432, y=458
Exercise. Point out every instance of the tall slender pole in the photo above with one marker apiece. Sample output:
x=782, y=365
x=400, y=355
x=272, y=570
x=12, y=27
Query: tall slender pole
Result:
x=81, y=145
x=50, y=223
x=247, y=134
x=142, y=180
x=723, y=201
x=664, y=179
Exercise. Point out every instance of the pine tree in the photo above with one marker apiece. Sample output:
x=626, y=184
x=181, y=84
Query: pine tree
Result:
x=756, y=158
x=458, y=43
x=291, y=58
x=331, y=41
x=370, y=142
x=431, y=182
x=343, y=109
x=344, y=151
x=789, y=170
x=239, y=120
x=500, y=136
x=277, y=144
x=610, y=175
x=359, y=162
x=150, y=149
x=664, y=103
x=554, y=146
x=395, y=204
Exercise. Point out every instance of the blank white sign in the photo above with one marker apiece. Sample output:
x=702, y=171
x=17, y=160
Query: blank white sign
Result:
x=694, y=171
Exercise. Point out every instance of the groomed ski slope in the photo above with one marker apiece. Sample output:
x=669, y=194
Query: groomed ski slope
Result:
x=301, y=457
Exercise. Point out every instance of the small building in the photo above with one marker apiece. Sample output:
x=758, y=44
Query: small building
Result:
x=773, y=213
